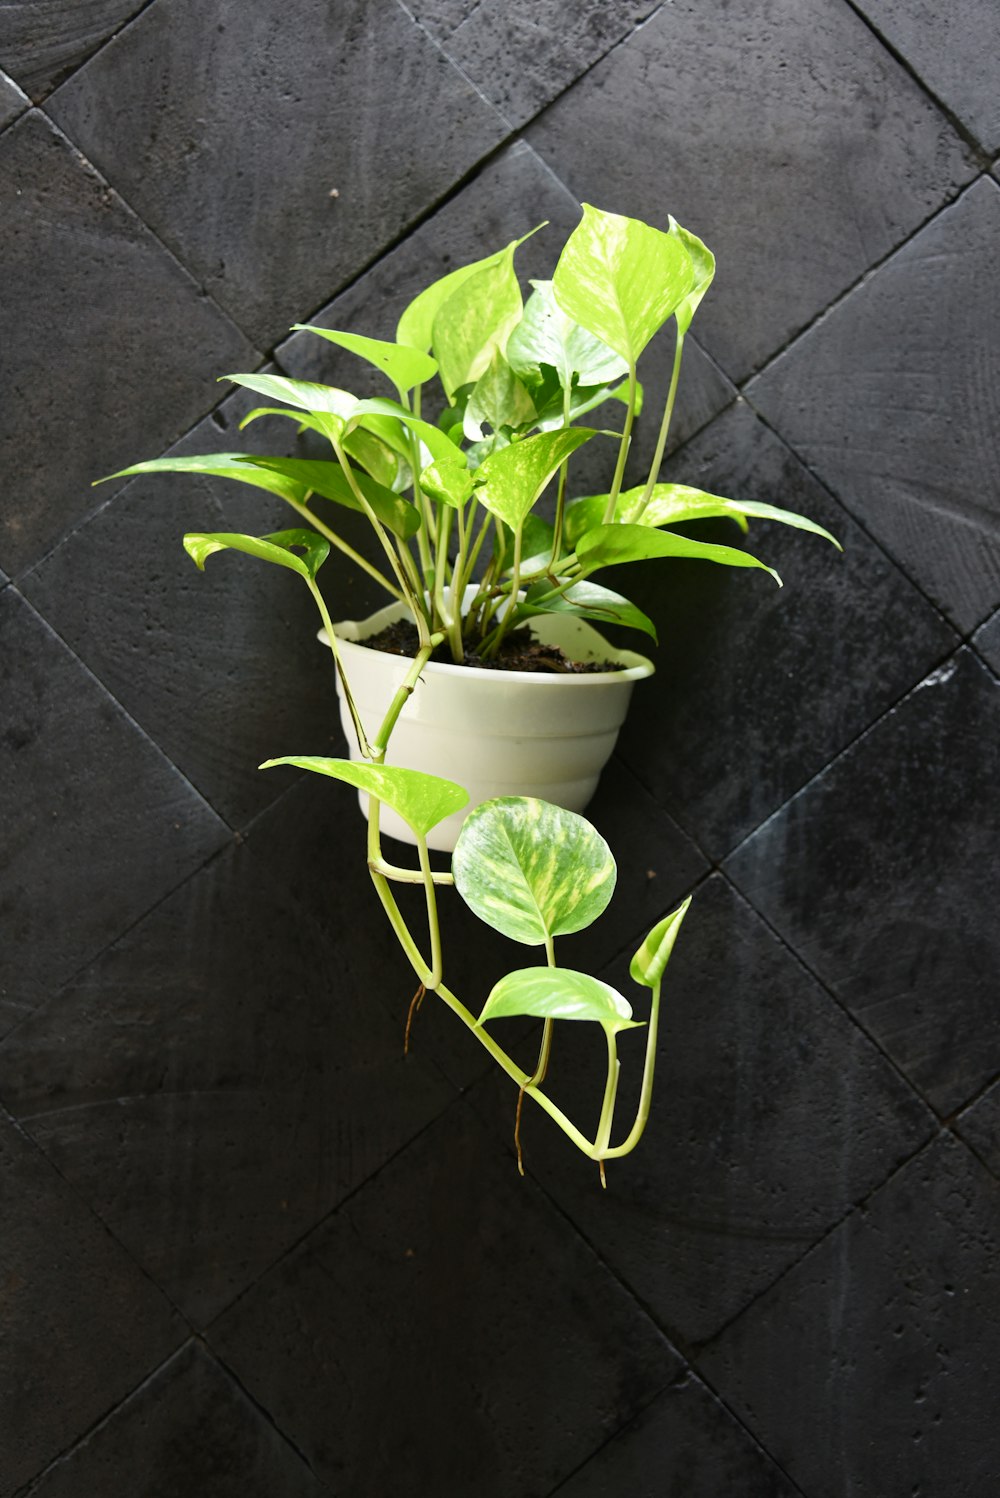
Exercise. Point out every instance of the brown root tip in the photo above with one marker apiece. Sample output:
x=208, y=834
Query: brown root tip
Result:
x=415, y=1003
x=604, y=1179
x=517, y=1133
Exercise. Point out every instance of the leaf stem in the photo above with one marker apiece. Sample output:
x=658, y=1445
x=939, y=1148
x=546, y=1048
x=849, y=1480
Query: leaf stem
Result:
x=364, y=748
x=616, y=483
x=661, y=441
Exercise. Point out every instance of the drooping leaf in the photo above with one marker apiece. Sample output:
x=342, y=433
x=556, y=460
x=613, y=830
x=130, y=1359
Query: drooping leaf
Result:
x=277, y=547
x=219, y=465
x=558, y=993
x=415, y=327
x=621, y=279
x=451, y=483
x=587, y=601
x=648, y=964
x=478, y=317
x=329, y=480
x=703, y=263
x=514, y=478
x=674, y=504
x=499, y=399
x=330, y=407
x=609, y=545
x=546, y=335
x=304, y=420
x=421, y=800
x=403, y=365
x=532, y=870
x=439, y=446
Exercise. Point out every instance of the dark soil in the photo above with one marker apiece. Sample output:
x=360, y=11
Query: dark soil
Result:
x=520, y=651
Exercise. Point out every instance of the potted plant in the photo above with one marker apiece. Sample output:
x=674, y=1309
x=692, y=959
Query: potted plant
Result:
x=452, y=472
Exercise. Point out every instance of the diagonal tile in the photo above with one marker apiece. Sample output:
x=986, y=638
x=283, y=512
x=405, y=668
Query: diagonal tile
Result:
x=987, y=642
x=12, y=101
x=757, y=687
x=772, y=1114
x=952, y=49
x=98, y=826
x=792, y=142
x=235, y=165
x=216, y=1082
x=882, y=874
x=889, y=1327
x=42, y=41
x=222, y=670
x=522, y=54
x=909, y=440
x=980, y=1126
x=686, y=1445
x=189, y=1429
x=507, y=198
x=448, y=1243
x=109, y=281
x=82, y=1324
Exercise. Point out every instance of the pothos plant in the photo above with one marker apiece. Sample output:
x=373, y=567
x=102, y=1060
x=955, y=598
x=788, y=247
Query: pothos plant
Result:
x=451, y=472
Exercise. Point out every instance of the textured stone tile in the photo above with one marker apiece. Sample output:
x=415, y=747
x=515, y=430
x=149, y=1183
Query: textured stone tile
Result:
x=882, y=875
x=896, y=1312
x=781, y=132
x=980, y=1126
x=686, y=1445
x=98, y=826
x=42, y=41
x=951, y=49
x=772, y=1115
x=109, y=282
x=522, y=55
x=909, y=440
x=445, y=1242
x=189, y=1429
x=508, y=197
x=12, y=101
x=223, y=668
x=216, y=1082
x=82, y=1324
x=234, y=164
x=757, y=686
x=987, y=642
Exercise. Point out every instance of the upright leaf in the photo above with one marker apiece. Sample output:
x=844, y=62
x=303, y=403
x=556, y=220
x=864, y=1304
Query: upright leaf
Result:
x=610, y=545
x=558, y=993
x=497, y=399
x=532, y=870
x=649, y=962
x=546, y=335
x=703, y=263
x=277, y=548
x=416, y=324
x=421, y=800
x=478, y=317
x=404, y=366
x=621, y=279
x=513, y=478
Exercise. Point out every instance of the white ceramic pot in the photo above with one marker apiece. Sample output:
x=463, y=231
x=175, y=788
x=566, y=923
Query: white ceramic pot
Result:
x=497, y=733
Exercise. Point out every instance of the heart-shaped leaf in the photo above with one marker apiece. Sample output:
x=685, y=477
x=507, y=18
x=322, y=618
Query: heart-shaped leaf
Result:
x=609, y=545
x=558, y=993
x=421, y=800
x=621, y=279
x=703, y=264
x=404, y=366
x=329, y=480
x=415, y=327
x=545, y=335
x=587, y=601
x=478, y=317
x=512, y=479
x=450, y=482
x=648, y=964
x=274, y=548
x=497, y=399
x=532, y=870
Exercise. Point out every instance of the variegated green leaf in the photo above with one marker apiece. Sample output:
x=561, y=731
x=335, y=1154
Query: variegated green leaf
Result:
x=330, y=407
x=532, y=870
x=558, y=993
x=421, y=800
x=277, y=548
x=610, y=545
x=588, y=601
x=415, y=327
x=449, y=482
x=440, y=447
x=545, y=335
x=329, y=480
x=675, y=504
x=649, y=962
x=703, y=264
x=498, y=399
x=219, y=465
x=404, y=366
x=478, y=317
x=513, y=478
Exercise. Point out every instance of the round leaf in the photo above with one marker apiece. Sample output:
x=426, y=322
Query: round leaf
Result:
x=558, y=993
x=648, y=964
x=532, y=870
x=421, y=800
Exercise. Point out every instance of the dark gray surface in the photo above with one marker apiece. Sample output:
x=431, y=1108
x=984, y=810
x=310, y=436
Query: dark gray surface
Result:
x=896, y=1311
x=987, y=642
x=892, y=399
x=388, y=1272
x=787, y=137
x=42, y=41
x=83, y=795
x=12, y=101
x=232, y=130
x=82, y=1324
x=880, y=873
x=134, y=317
